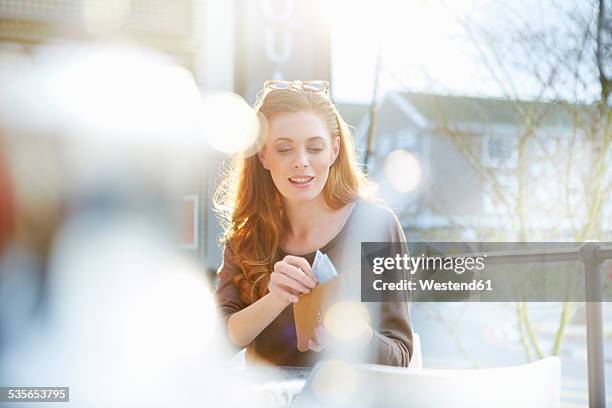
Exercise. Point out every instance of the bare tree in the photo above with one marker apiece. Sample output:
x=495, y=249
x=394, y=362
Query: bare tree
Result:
x=567, y=63
x=553, y=63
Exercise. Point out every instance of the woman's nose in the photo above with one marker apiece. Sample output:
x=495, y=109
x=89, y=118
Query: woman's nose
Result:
x=301, y=161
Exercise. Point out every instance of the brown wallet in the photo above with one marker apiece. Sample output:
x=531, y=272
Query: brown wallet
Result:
x=308, y=313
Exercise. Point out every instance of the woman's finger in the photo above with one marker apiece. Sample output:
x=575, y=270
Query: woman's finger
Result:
x=300, y=262
x=313, y=346
x=289, y=282
x=321, y=335
x=295, y=273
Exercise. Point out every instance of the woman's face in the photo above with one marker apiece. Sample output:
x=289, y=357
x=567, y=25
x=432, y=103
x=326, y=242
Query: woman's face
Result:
x=298, y=154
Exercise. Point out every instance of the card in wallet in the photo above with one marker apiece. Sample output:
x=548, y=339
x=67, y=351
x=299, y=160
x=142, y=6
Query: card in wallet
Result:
x=308, y=313
x=323, y=268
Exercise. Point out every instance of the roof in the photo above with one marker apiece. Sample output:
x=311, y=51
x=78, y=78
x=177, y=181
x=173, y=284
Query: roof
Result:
x=438, y=109
x=352, y=113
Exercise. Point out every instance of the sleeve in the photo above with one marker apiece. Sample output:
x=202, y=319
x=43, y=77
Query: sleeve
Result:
x=227, y=295
x=392, y=339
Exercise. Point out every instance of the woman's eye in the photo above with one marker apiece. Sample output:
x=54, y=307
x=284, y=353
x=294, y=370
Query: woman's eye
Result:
x=282, y=150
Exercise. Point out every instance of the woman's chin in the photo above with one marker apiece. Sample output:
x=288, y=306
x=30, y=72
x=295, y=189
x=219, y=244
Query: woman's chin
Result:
x=303, y=196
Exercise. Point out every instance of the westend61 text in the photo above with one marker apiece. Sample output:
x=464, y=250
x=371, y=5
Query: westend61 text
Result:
x=432, y=285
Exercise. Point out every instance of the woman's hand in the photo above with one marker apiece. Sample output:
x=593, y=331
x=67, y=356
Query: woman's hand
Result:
x=320, y=341
x=291, y=277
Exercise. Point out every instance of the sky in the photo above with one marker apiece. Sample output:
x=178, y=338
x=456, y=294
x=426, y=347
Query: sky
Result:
x=423, y=45
x=418, y=41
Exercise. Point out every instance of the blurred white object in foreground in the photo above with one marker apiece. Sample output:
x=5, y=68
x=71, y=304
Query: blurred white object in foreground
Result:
x=338, y=384
x=130, y=323
x=111, y=94
x=96, y=139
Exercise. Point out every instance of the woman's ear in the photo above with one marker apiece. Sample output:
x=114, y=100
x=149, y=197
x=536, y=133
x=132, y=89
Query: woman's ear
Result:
x=335, y=148
x=262, y=155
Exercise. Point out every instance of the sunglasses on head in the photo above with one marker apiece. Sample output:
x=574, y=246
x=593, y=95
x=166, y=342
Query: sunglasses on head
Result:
x=315, y=86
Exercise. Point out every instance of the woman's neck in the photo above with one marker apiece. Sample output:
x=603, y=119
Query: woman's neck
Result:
x=303, y=216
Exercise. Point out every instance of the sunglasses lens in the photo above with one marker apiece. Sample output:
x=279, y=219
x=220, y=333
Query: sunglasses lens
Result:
x=309, y=86
x=316, y=86
x=279, y=85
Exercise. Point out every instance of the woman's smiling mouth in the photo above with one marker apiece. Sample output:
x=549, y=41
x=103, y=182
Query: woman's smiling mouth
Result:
x=301, y=181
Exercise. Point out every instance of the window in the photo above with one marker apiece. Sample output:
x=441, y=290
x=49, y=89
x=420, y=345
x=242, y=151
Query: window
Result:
x=499, y=151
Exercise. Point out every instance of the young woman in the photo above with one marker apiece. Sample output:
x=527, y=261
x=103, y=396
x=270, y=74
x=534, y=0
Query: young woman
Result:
x=301, y=192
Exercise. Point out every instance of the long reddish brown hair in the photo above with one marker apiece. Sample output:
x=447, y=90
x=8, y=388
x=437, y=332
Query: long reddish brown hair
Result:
x=250, y=206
